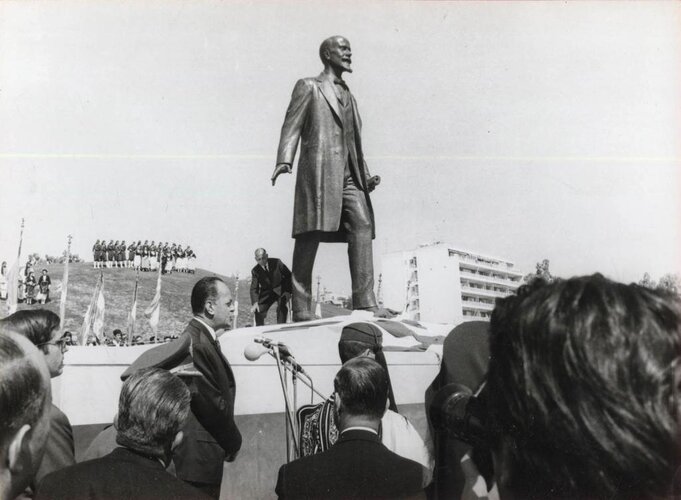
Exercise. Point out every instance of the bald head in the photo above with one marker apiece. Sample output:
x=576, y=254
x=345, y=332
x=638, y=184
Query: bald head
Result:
x=336, y=54
x=24, y=401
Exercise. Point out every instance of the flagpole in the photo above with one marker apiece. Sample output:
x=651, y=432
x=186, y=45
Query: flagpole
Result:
x=21, y=238
x=13, y=278
x=236, y=302
x=64, y=284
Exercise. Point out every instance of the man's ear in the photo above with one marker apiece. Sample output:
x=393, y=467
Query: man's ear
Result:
x=209, y=309
x=115, y=421
x=338, y=403
x=177, y=440
x=387, y=405
x=18, y=446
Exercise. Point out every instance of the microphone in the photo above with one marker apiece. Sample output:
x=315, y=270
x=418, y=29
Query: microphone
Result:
x=284, y=352
x=254, y=352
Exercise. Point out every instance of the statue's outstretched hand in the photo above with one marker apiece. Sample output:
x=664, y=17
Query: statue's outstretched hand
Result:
x=280, y=169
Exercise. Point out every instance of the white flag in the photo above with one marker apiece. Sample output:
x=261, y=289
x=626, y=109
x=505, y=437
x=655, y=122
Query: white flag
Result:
x=93, y=322
x=153, y=312
x=13, y=287
x=132, y=315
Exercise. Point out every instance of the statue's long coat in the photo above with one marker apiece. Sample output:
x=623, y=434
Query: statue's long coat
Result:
x=313, y=118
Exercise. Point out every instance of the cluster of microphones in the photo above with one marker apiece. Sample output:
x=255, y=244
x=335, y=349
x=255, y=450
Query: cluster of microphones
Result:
x=264, y=346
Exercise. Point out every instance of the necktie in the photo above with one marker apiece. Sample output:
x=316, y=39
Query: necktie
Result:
x=342, y=90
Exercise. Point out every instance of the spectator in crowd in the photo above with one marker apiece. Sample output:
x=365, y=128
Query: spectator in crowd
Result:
x=24, y=412
x=583, y=391
x=319, y=426
x=152, y=408
x=358, y=465
x=118, y=339
x=44, y=283
x=68, y=338
x=191, y=260
x=270, y=283
x=30, y=285
x=41, y=327
x=465, y=358
x=92, y=341
x=137, y=260
x=137, y=340
x=110, y=254
x=3, y=281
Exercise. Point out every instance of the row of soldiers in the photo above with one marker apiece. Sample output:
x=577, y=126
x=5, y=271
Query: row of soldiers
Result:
x=143, y=256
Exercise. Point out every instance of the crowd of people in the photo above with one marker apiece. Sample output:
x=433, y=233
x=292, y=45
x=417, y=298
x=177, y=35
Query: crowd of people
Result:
x=145, y=256
x=31, y=290
x=570, y=391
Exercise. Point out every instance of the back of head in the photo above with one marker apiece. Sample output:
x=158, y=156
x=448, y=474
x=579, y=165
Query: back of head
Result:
x=152, y=409
x=204, y=289
x=24, y=399
x=356, y=338
x=362, y=385
x=36, y=325
x=582, y=392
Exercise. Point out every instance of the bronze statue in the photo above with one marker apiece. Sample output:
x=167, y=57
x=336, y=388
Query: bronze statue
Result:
x=332, y=201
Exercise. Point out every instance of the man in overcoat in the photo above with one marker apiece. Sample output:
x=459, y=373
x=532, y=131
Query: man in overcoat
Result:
x=332, y=201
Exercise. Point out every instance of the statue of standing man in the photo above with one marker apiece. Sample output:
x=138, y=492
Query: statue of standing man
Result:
x=332, y=201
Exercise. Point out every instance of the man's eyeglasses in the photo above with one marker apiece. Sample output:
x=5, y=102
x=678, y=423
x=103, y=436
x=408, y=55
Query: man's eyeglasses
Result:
x=61, y=343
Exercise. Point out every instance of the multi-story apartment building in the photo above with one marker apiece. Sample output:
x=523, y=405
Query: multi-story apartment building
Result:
x=441, y=284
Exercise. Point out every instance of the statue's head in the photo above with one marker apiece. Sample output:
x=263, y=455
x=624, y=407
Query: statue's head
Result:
x=335, y=52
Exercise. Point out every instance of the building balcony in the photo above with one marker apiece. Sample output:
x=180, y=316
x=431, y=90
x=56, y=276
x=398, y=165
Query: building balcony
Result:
x=476, y=277
x=476, y=306
x=481, y=292
x=501, y=268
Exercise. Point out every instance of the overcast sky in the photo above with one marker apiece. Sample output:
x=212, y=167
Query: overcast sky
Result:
x=521, y=130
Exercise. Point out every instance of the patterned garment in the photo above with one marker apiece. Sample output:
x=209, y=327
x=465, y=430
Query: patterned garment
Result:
x=317, y=425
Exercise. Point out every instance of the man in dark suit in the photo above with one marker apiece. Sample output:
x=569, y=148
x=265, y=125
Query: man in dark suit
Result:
x=212, y=437
x=270, y=283
x=25, y=395
x=358, y=465
x=332, y=187
x=152, y=408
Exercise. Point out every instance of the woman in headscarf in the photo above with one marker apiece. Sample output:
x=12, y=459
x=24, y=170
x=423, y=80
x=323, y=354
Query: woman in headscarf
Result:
x=318, y=424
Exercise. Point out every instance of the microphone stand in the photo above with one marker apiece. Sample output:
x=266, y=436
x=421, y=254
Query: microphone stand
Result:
x=292, y=431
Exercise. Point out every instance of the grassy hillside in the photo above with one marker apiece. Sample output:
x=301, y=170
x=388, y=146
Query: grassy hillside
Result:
x=118, y=287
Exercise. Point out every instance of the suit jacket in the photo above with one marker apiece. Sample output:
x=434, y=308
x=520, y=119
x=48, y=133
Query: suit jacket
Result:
x=357, y=466
x=212, y=434
x=59, y=449
x=266, y=287
x=121, y=474
x=313, y=115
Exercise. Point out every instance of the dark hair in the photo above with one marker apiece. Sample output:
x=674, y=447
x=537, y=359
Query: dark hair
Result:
x=348, y=349
x=36, y=325
x=152, y=408
x=582, y=393
x=204, y=289
x=362, y=385
x=23, y=394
